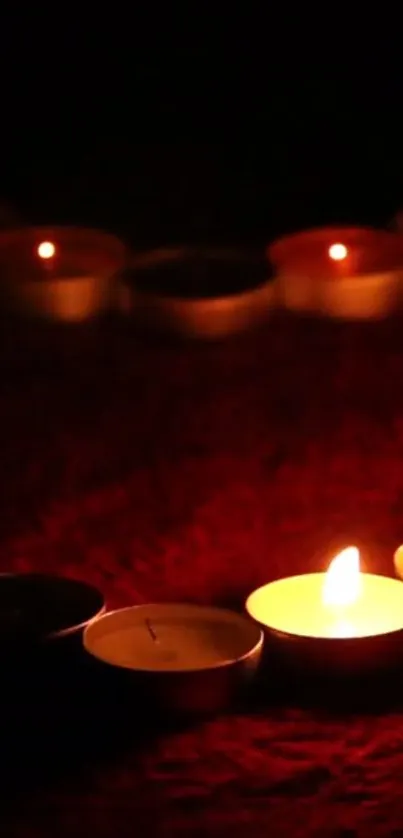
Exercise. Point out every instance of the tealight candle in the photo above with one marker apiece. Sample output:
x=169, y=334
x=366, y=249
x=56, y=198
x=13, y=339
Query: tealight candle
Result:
x=61, y=273
x=341, y=618
x=347, y=272
x=187, y=657
x=37, y=609
x=202, y=293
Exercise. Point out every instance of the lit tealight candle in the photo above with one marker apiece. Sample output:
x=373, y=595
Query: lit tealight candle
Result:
x=193, y=658
x=347, y=273
x=59, y=273
x=343, y=606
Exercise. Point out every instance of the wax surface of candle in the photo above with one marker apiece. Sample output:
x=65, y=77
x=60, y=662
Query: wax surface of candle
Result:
x=311, y=606
x=153, y=642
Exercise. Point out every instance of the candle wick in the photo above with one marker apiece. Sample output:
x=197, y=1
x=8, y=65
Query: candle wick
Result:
x=151, y=631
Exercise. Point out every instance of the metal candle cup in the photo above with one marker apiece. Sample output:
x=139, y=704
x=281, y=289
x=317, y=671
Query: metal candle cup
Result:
x=180, y=658
x=201, y=293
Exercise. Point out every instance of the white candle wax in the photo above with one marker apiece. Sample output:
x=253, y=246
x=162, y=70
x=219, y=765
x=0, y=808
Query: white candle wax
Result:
x=172, y=638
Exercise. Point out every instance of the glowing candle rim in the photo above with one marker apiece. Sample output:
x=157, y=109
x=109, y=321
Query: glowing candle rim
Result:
x=252, y=607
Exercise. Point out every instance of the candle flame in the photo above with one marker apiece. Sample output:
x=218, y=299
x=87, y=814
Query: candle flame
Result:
x=338, y=252
x=398, y=561
x=46, y=250
x=343, y=579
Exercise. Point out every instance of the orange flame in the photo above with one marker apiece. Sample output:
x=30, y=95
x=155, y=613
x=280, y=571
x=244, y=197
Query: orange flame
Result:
x=342, y=584
x=46, y=250
x=338, y=252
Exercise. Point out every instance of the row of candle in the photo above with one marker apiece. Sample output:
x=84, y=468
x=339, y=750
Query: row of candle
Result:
x=195, y=658
x=67, y=274
x=189, y=658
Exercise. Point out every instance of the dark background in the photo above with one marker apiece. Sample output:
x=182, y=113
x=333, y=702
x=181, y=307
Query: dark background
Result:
x=168, y=127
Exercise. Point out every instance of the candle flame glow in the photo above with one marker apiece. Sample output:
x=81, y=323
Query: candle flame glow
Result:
x=338, y=252
x=398, y=561
x=46, y=250
x=343, y=579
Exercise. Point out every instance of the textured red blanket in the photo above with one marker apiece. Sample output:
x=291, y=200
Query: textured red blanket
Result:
x=163, y=472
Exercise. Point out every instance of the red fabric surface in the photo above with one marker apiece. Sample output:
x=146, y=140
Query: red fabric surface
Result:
x=164, y=472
